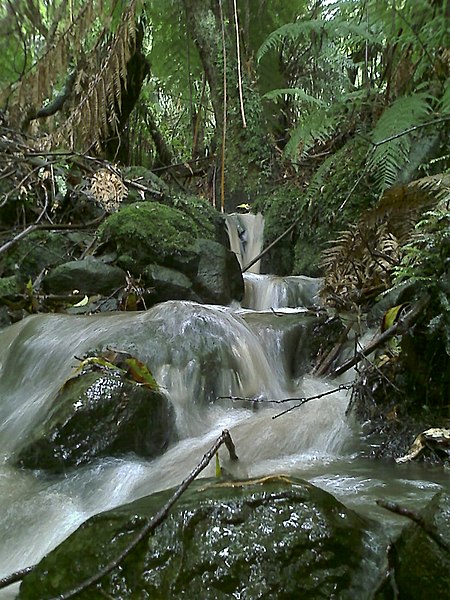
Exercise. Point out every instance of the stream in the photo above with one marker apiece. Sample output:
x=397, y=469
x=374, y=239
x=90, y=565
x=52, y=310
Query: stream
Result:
x=219, y=367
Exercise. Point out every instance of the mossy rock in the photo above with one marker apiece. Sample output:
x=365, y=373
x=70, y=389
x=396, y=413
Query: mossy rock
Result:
x=150, y=232
x=322, y=210
x=270, y=538
x=40, y=250
x=99, y=414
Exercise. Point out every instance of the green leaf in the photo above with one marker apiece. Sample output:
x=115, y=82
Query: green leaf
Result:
x=140, y=373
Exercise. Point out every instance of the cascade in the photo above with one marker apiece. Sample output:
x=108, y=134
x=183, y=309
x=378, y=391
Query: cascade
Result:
x=245, y=232
x=203, y=357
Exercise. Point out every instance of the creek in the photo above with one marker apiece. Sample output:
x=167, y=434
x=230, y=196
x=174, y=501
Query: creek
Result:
x=217, y=365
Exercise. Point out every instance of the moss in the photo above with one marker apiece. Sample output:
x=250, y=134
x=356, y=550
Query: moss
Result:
x=8, y=286
x=150, y=232
x=205, y=216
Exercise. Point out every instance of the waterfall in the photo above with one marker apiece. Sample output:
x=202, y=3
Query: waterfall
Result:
x=220, y=367
x=245, y=232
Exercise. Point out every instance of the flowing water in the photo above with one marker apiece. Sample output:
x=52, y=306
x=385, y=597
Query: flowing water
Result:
x=217, y=365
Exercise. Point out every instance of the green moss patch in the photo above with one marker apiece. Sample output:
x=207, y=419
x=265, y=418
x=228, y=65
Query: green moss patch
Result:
x=150, y=232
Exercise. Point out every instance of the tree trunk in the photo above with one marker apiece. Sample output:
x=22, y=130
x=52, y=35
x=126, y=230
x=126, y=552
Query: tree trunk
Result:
x=242, y=150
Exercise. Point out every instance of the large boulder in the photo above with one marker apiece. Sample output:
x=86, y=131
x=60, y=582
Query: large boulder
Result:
x=218, y=279
x=269, y=538
x=100, y=414
x=144, y=233
x=89, y=276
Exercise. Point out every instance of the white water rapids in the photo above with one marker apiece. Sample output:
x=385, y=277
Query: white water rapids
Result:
x=200, y=355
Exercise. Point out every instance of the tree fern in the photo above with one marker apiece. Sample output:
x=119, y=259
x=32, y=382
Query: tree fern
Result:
x=389, y=157
x=335, y=28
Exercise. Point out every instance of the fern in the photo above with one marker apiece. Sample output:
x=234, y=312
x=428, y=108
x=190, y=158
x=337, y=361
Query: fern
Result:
x=292, y=32
x=316, y=127
x=444, y=104
x=388, y=158
x=296, y=92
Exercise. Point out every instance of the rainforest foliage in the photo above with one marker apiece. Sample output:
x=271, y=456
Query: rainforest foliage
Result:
x=311, y=111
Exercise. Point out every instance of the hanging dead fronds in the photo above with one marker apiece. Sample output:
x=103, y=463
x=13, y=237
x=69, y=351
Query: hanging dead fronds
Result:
x=28, y=94
x=96, y=114
x=359, y=263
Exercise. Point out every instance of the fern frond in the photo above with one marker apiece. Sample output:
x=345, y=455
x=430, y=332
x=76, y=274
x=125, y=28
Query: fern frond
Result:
x=316, y=127
x=388, y=158
x=367, y=257
x=335, y=28
x=289, y=32
x=296, y=92
x=444, y=104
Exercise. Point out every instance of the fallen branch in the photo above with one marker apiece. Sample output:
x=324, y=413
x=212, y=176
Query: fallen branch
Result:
x=324, y=365
x=270, y=246
x=400, y=327
x=160, y=516
x=417, y=518
x=15, y=577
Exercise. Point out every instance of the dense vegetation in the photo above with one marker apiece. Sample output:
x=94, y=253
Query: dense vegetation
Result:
x=330, y=116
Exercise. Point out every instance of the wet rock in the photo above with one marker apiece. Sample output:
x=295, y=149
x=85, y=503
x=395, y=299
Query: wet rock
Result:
x=89, y=276
x=421, y=562
x=100, y=414
x=219, y=278
x=168, y=284
x=269, y=538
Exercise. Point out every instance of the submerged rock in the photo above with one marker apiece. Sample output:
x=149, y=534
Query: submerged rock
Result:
x=100, y=414
x=269, y=538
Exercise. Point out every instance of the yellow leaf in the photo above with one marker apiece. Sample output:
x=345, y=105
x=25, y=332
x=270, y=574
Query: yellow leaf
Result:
x=218, y=467
x=391, y=316
x=81, y=302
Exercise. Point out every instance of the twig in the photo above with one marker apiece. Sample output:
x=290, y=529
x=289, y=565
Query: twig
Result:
x=270, y=246
x=399, y=327
x=409, y=130
x=15, y=577
x=300, y=401
x=417, y=518
x=38, y=227
x=160, y=516
x=344, y=386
